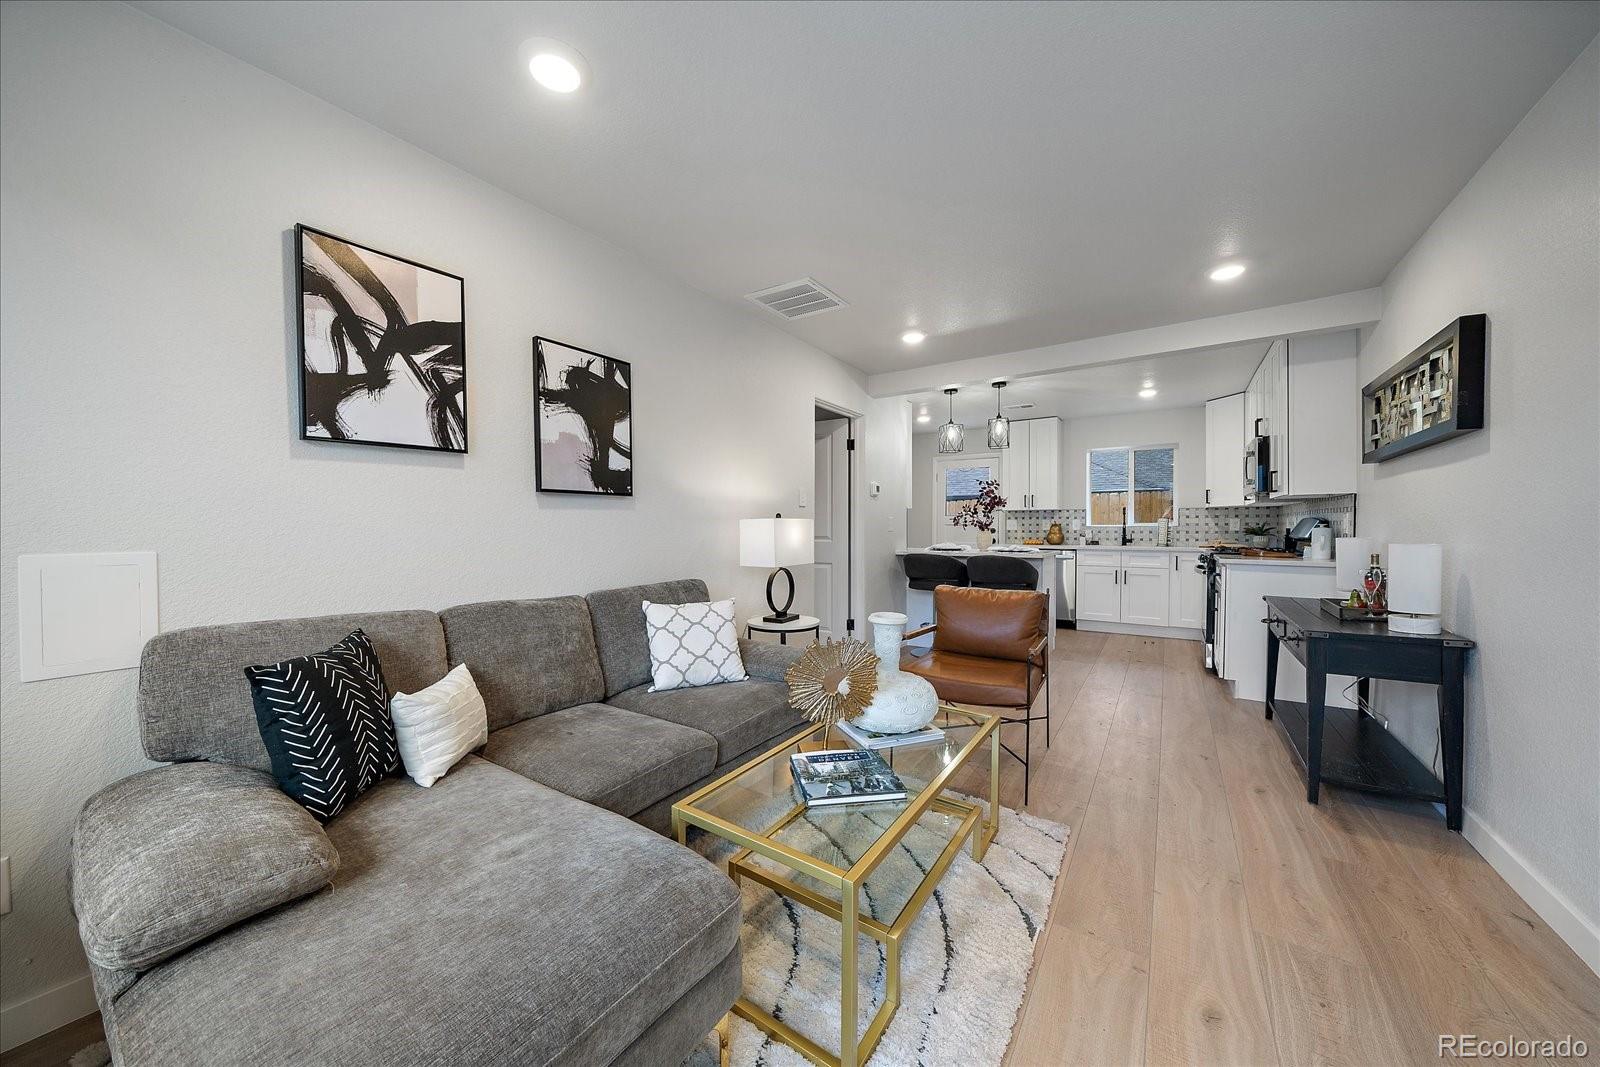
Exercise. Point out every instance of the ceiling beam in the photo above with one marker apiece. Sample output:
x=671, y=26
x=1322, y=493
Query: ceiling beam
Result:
x=1340, y=312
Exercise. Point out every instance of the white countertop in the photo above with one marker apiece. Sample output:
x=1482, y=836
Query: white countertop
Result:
x=1033, y=553
x=1132, y=548
x=1268, y=561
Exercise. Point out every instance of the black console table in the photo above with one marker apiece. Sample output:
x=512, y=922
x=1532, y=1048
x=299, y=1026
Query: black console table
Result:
x=1343, y=747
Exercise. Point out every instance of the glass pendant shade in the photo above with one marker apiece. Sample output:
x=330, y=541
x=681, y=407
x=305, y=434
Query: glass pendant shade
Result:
x=999, y=426
x=952, y=437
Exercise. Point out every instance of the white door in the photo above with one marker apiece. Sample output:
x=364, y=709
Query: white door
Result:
x=1144, y=596
x=831, y=521
x=1099, y=592
x=1187, y=594
x=955, y=483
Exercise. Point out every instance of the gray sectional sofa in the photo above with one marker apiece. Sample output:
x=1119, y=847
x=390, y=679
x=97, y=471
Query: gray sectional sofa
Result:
x=520, y=911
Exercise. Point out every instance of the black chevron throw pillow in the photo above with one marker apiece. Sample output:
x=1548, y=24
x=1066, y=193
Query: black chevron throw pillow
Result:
x=325, y=721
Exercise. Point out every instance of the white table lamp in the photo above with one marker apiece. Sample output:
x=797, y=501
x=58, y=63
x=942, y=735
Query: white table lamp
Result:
x=778, y=543
x=1416, y=588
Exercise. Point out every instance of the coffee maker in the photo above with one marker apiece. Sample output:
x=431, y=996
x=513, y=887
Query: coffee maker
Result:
x=1302, y=540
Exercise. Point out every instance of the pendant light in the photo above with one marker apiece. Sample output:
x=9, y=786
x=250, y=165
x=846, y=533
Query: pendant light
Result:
x=999, y=426
x=951, y=436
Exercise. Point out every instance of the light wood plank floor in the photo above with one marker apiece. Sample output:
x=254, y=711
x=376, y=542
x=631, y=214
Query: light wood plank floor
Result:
x=1208, y=915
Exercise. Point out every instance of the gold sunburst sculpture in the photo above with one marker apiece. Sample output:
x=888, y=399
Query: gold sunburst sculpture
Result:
x=833, y=681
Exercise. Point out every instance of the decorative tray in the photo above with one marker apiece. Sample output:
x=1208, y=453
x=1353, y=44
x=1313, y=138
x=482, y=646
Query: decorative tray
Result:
x=1340, y=609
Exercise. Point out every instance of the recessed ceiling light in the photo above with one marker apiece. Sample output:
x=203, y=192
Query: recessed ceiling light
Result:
x=924, y=417
x=1147, y=384
x=1146, y=394
x=1227, y=272
x=554, y=64
x=913, y=337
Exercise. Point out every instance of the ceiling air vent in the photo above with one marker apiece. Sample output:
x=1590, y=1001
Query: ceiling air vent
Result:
x=1024, y=406
x=796, y=300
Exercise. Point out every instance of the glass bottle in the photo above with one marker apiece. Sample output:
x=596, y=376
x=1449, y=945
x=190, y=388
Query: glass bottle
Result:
x=1374, y=588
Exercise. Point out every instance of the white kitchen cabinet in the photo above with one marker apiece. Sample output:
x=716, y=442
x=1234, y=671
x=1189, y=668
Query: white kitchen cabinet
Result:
x=1144, y=596
x=1099, y=587
x=1225, y=452
x=1304, y=398
x=1186, y=598
x=1030, y=467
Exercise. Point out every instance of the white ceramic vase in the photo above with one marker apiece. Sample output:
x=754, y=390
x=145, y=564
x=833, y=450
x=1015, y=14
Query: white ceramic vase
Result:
x=903, y=702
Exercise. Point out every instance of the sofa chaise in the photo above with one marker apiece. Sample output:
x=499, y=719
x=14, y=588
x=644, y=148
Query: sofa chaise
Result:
x=519, y=911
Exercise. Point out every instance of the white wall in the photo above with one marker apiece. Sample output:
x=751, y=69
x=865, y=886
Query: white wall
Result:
x=149, y=188
x=1516, y=504
x=1184, y=427
x=919, y=522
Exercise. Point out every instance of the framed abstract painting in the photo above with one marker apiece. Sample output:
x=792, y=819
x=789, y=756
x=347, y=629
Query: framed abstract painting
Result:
x=383, y=355
x=583, y=420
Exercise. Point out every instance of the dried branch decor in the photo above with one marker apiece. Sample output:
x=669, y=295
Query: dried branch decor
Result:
x=833, y=681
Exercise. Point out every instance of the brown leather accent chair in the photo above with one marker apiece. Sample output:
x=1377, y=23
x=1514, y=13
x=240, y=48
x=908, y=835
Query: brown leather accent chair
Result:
x=991, y=649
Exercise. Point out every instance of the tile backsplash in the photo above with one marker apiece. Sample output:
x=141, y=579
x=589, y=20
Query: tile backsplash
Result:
x=1193, y=526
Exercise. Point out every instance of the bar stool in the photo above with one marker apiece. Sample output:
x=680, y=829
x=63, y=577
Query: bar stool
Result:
x=1001, y=572
x=928, y=570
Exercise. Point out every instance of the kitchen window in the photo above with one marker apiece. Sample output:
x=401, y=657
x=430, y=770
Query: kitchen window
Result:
x=1130, y=486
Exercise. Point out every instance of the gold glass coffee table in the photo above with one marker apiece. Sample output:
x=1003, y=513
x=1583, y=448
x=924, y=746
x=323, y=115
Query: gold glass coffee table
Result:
x=824, y=857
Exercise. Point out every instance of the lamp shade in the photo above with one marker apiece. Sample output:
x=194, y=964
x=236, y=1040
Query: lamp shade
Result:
x=1351, y=556
x=1416, y=579
x=775, y=542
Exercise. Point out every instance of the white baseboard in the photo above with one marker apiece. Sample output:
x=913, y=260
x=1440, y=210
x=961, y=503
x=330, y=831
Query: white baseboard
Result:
x=1564, y=918
x=39, y=1014
x=1181, y=633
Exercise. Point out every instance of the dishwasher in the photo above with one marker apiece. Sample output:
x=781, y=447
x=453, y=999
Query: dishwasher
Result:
x=1067, y=589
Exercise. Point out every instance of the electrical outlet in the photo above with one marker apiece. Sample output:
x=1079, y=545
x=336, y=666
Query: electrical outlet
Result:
x=5, y=885
x=805, y=500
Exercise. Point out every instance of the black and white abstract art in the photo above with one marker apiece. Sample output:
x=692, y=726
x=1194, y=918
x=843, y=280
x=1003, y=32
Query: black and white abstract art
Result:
x=583, y=420
x=383, y=357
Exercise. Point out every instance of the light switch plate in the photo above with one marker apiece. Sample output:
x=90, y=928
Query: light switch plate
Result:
x=79, y=613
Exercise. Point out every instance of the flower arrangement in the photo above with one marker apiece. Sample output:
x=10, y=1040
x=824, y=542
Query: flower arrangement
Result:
x=978, y=514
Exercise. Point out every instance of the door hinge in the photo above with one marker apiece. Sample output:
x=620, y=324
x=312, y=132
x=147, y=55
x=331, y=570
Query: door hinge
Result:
x=849, y=444
x=849, y=626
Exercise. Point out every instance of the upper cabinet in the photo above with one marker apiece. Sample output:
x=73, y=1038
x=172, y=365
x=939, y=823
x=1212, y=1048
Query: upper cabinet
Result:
x=1225, y=451
x=1305, y=398
x=1030, y=469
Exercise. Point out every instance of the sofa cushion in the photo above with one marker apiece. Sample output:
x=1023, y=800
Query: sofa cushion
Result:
x=325, y=720
x=435, y=727
x=618, y=616
x=528, y=657
x=172, y=855
x=488, y=919
x=620, y=760
x=737, y=714
x=692, y=644
x=194, y=700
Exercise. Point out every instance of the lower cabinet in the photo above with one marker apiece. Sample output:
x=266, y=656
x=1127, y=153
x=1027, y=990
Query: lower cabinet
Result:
x=1099, y=588
x=1141, y=588
x=1186, y=604
x=1144, y=596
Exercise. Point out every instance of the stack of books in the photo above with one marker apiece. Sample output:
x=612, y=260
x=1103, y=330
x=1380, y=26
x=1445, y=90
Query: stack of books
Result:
x=843, y=776
x=871, y=739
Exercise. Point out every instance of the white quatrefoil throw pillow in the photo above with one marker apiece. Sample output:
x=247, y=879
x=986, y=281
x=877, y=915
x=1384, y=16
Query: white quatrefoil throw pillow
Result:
x=692, y=644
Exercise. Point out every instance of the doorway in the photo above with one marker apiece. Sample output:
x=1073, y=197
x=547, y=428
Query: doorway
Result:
x=834, y=522
x=955, y=483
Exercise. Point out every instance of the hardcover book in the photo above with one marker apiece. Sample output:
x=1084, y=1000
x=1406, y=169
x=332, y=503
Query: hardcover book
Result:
x=874, y=740
x=844, y=776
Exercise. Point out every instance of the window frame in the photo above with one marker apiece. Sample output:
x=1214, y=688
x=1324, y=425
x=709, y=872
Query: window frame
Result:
x=1129, y=491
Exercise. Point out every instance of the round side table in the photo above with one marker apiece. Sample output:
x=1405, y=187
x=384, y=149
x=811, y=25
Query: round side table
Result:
x=799, y=625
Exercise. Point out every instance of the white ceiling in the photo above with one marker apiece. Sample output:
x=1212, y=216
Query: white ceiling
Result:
x=1003, y=176
x=1181, y=380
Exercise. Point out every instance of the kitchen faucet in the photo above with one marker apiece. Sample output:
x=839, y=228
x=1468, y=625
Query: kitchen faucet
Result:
x=1126, y=540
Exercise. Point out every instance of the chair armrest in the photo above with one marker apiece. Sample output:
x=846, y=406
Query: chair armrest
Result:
x=1036, y=650
x=767, y=662
x=918, y=633
x=174, y=855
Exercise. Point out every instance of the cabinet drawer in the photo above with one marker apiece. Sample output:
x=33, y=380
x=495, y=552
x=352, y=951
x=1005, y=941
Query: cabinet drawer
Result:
x=1159, y=560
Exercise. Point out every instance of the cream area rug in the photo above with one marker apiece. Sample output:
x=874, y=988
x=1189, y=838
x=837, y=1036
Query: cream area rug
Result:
x=964, y=963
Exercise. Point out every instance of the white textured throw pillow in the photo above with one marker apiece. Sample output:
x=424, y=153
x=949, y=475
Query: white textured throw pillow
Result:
x=692, y=644
x=439, y=725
